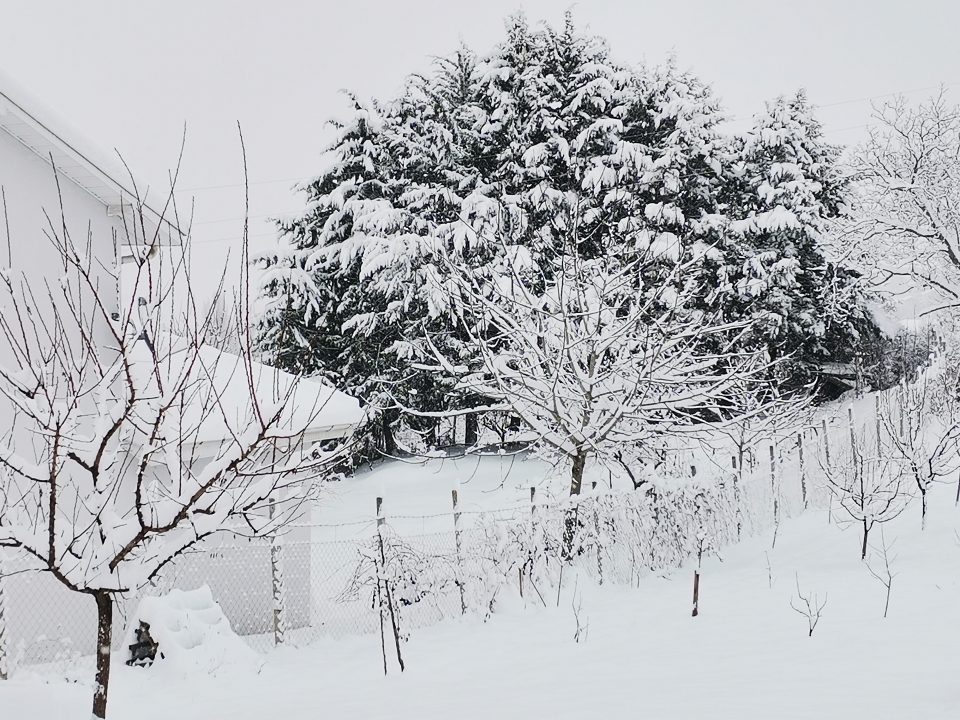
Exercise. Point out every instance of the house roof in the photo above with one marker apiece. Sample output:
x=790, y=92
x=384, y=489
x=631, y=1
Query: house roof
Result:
x=40, y=130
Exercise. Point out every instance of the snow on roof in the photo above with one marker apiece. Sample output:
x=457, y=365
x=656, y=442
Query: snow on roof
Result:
x=311, y=406
x=43, y=132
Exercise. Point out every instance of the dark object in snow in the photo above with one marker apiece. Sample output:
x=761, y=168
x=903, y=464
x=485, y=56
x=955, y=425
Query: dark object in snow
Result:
x=144, y=651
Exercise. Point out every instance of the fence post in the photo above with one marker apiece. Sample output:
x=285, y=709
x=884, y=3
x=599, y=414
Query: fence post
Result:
x=738, y=502
x=596, y=531
x=876, y=413
x=826, y=454
x=853, y=430
x=4, y=666
x=696, y=593
x=459, y=549
x=803, y=470
x=857, y=461
x=277, y=586
x=533, y=509
x=773, y=488
x=902, y=402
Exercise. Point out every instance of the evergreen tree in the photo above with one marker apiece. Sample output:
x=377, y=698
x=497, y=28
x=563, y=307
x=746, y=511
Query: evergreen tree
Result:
x=786, y=186
x=500, y=162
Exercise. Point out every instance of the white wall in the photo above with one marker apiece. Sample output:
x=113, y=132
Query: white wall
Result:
x=30, y=188
x=35, y=210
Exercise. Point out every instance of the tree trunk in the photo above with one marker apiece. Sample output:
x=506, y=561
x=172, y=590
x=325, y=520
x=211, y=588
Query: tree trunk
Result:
x=576, y=474
x=104, y=636
x=863, y=547
x=471, y=427
x=570, y=521
x=923, y=508
x=696, y=593
x=389, y=444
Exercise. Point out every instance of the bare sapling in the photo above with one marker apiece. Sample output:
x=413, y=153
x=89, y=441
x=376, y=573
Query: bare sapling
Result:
x=883, y=571
x=922, y=433
x=869, y=490
x=582, y=623
x=810, y=606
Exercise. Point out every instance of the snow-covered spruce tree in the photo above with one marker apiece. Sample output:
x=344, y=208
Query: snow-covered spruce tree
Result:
x=785, y=186
x=545, y=124
x=129, y=444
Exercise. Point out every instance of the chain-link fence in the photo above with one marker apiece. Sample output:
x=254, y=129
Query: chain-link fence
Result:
x=337, y=580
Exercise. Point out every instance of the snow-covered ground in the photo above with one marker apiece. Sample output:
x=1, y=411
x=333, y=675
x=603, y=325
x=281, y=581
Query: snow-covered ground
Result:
x=640, y=654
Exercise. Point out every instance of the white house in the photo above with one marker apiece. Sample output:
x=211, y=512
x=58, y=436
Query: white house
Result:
x=50, y=179
x=50, y=175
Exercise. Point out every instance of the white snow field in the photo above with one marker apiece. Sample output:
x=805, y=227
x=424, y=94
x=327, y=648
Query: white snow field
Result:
x=640, y=654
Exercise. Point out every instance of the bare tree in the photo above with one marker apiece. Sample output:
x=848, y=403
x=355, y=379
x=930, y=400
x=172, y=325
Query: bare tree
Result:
x=599, y=354
x=869, y=489
x=922, y=429
x=808, y=605
x=884, y=573
x=130, y=444
x=907, y=217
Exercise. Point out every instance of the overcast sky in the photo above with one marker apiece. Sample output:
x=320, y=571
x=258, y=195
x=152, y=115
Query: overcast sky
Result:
x=129, y=74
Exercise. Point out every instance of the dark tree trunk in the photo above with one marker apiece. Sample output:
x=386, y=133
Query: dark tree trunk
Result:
x=923, y=508
x=570, y=521
x=389, y=443
x=576, y=474
x=471, y=427
x=104, y=637
x=696, y=593
x=863, y=547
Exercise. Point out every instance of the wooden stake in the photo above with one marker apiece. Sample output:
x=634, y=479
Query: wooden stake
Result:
x=773, y=486
x=876, y=414
x=696, y=593
x=803, y=470
x=459, y=549
x=4, y=668
x=826, y=453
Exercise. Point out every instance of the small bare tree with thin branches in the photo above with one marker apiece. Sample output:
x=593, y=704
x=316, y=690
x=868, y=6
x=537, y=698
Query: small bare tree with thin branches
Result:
x=808, y=605
x=869, y=489
x=922, y=432
x=884, y=573
x=129, y=444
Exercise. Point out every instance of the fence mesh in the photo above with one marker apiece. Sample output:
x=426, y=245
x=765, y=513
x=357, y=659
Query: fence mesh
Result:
x=304, y=585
